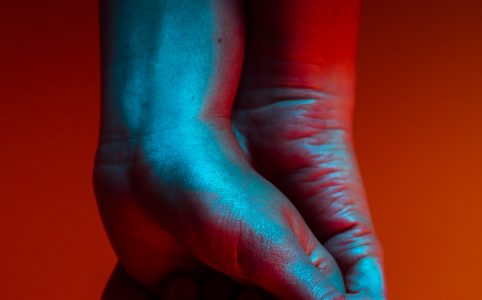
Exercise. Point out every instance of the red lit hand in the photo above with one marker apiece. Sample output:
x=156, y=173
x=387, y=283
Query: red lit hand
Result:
x=309, y=157
x=266, y=192
x=293, y=115
x=205, y=194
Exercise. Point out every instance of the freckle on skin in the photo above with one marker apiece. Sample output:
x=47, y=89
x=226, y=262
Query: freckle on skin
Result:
x=219, y=40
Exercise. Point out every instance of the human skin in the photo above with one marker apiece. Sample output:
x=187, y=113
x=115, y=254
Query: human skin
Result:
x=294, y=113
x=266, y=192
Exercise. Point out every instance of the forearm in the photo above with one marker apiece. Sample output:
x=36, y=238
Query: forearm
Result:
x=166, y=64
x=302, y=50
x=161, y=66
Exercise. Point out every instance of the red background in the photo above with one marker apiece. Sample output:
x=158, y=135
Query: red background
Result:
x=418, y=137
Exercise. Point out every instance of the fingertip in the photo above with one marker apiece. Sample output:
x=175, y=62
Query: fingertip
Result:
x=366, y=279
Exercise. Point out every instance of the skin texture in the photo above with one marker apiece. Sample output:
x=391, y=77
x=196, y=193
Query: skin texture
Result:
x=192, y=185
x=294, y=112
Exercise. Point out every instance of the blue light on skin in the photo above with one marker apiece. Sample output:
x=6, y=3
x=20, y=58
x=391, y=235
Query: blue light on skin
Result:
x=168, y=154
x=167, y=148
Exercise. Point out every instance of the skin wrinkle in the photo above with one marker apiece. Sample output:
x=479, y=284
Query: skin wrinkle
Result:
x=326, y=187
x=278, y=96
x=188, y=174
x=344, y=221
x=236, y=213
x=319, y=262
x=351, y=236
x=324, y=174
x=328, y=198
x=356, y=250
x=222, y=238
x=259, y=236
x=312, y=175
x=302, y=235
x=307, y=109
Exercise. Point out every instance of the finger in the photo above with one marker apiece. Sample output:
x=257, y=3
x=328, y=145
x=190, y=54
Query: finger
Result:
x=299, y=279
x=335, y=207
x=361, y=259
x=366, y=277
x=317, y=254
x=317, y=171
x=340, y=219
x=328, y=192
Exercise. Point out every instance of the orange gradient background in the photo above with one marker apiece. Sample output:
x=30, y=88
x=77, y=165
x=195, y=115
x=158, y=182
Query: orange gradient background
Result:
x=418, y=126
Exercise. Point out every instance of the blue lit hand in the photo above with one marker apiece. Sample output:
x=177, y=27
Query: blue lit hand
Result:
x=205, y=194
x=177, y=192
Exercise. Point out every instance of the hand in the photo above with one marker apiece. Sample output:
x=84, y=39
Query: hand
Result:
x=165, y=182
x=211, y=200
x=311, y=161
x=293, y=117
